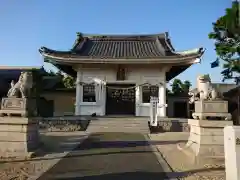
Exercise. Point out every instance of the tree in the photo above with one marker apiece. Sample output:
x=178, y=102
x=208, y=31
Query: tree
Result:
x=168, y=91
x=68, y=81
x=38, y=81
x=176, y=86
x=226, y=33
x=186, y=86
x=179, y=87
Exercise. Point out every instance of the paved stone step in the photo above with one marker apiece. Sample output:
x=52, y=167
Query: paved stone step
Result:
x=130, y=120
x=118, y=130
x=120, y=121
x=127, y=128
x=132, y=127
x=119, y=124
x=117, y=121
x=116, y=124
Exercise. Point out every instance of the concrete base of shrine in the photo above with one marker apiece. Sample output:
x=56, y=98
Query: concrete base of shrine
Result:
x=19, y=137
x=206, y=139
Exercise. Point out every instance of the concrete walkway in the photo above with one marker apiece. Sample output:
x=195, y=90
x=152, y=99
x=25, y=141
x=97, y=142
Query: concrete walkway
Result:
x=109, y=156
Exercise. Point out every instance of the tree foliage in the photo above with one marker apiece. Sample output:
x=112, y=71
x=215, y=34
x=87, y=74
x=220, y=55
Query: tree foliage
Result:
x=179, y=87
x=226, y=33
x=68, y=81
x=37, y=82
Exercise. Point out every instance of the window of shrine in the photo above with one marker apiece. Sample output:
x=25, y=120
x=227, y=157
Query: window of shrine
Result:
x=148, y=91
x=89, y=93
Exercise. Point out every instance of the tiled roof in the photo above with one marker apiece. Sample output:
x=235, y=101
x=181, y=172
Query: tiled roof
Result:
x=123, y=47
x=119, y=47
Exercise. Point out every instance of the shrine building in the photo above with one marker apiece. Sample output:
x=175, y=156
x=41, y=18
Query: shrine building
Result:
x=117, y=74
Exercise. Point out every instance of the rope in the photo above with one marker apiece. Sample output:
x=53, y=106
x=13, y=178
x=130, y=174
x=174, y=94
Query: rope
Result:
x=119, y=88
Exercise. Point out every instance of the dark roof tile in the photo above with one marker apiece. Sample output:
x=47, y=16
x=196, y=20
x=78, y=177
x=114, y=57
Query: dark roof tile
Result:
x=116, y=46
x=120, y=49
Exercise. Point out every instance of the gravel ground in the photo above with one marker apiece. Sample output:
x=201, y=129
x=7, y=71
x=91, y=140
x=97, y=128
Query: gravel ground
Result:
x=56, y=145
x=183, y=166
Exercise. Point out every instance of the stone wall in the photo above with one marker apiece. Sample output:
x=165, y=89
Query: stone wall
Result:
x=67, y=123
x=58, y=97
x=173, y=125
x=80, y=123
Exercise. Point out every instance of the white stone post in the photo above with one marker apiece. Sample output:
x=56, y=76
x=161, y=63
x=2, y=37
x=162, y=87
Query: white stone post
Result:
x=103, y=97
x=232, y=152
x=100, y=89
x=78, y=93
x=137, y=100
x=153, y=110
x=98, y=93
x=162, y=100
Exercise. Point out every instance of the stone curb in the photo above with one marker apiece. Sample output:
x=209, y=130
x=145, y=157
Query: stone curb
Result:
x=58, y=157
x=166, y=167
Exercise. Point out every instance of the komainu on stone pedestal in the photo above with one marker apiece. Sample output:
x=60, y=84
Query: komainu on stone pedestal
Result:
x=208, y=101
x=19, y=100
x=19, y=136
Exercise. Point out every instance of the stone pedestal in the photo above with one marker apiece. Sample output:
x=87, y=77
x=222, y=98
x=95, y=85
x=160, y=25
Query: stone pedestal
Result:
x=19, y=137
x=24, y=107
x=209, y=109
x=206, y=138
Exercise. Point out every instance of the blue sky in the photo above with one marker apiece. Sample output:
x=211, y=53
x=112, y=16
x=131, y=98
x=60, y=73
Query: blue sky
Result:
x=27, y=25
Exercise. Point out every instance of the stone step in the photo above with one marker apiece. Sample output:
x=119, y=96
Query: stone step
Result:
x=126, y=120
x=120, y=119
x=140, y=128
x=116, y=120
x=115, y=126
x=118, y=125
x=145, y=131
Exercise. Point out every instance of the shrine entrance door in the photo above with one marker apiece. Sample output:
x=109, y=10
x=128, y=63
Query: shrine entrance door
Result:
x=120, y=99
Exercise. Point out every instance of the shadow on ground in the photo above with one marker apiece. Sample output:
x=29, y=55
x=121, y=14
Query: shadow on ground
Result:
x=113, y=156
x=118, y=176
x=59, y=144
x=135, y=175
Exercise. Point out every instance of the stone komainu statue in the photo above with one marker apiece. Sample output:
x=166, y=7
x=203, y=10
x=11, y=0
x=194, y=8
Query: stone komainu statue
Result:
x=205, y=90
x=20, y=100
x=208, y=102
x=23, y=87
